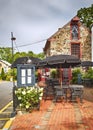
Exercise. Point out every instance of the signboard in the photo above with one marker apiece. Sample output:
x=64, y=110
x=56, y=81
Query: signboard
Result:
x=25, y=75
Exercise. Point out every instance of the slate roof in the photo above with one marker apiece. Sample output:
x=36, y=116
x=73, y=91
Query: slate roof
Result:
x=64, y=61
x=86, y=63
x=24, y=60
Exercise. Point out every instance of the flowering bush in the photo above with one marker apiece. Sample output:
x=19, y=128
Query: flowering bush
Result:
x=29, y=97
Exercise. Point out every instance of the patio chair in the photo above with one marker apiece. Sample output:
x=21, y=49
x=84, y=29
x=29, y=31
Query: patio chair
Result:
x=65, y=81
x=60, y=93
x=77, y=93
x=49, y=91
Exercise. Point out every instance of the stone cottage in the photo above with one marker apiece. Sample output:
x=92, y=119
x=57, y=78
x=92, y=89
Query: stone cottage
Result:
x=74, y=38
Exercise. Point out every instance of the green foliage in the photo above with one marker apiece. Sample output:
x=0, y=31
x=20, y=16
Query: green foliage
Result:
x=29, y=97
x=88, y=74
x=6, y=54
x=75, y=73
x=12, y=73
x=30, y=54
x=3, y=75
x=86, y=15
x=53, y=73
x=40, y=55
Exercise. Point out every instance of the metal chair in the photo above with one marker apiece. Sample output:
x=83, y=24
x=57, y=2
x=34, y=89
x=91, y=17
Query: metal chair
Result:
x=77, y=92
x=49, y=91
x=60, y=93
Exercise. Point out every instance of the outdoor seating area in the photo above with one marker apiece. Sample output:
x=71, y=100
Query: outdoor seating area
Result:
x=66, y=92
x=59, y=116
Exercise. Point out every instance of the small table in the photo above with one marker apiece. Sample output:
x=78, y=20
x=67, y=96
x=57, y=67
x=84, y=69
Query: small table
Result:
x=61, y=92
x=77, y=91
x=72, y=90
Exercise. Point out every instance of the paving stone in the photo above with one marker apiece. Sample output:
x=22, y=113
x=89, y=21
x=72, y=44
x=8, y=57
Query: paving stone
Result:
x=59, y=116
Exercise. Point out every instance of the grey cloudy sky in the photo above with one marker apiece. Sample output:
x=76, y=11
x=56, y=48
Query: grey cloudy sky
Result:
x=35, y=20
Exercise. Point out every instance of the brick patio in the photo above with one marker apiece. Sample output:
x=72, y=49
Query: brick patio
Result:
x=57, y=116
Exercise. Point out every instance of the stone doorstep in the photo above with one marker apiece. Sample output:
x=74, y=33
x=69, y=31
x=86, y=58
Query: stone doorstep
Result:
x=79, y=118
x=45, y=118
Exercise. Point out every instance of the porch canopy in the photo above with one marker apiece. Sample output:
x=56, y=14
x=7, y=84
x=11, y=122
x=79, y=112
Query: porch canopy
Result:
x=25, y=60
x=60, y=61
x=86, y=64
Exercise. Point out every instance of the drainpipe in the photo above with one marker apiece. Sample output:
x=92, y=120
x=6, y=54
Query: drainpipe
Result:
x=92, y=42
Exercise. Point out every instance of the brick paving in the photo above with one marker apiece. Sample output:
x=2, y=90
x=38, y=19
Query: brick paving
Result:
x=57, y=116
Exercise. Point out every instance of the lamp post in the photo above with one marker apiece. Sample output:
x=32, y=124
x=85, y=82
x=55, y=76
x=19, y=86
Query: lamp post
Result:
x=14, y=98
x=13, y=39
x=92, y=41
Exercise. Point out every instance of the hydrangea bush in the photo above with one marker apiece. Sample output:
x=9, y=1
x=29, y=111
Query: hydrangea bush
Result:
x=29, y=97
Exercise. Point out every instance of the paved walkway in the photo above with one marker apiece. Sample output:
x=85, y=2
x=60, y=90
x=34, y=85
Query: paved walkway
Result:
x=59, y=116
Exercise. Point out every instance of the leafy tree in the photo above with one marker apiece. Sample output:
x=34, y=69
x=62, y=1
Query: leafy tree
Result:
x=17, y=55
x=40, y=55
x=3, y=75
x=30, y=54
x=86, y=15
x=6, y=54
x=88, y=74
x=75, y=73
x=11, y=73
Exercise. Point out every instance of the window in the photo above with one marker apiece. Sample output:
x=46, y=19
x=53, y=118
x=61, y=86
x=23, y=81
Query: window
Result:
x=75, y=49
x=25, y=75
x=75, y=32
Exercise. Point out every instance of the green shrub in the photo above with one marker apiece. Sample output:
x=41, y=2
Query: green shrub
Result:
x=12, y=73
x=29, y=97
x=75, y=74
x=88, y=74
x=53, y=73
x=3, y=75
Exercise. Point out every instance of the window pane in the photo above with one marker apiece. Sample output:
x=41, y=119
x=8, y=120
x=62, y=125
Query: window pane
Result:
x=75, y=50
x=29, y=80
x=74, y=32
x=23, y=80
x=28, y=72
x=23, y=72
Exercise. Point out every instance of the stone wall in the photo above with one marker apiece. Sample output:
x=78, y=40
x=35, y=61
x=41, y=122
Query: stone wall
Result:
x=85, y=40
x=60, y=42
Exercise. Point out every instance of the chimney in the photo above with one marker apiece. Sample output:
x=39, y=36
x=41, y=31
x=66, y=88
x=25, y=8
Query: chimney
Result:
x=92, y=42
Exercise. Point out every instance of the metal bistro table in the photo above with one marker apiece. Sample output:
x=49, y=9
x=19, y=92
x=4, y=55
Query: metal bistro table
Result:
x=77, y=91
x=69, y=91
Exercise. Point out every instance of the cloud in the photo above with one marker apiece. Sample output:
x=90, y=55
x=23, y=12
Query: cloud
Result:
x=34, y=20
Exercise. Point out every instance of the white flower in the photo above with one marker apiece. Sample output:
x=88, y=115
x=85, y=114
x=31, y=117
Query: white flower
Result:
x=36, y=84
x=19, y=89
x=41, y=94
x=27, y=106
x=15, y=92
x=23, y=92
x=19, y=98
x=32, y=88
x=41, y=89
x=28, y=91
x=40, y=98
x=20, y=104
x=27, y=87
